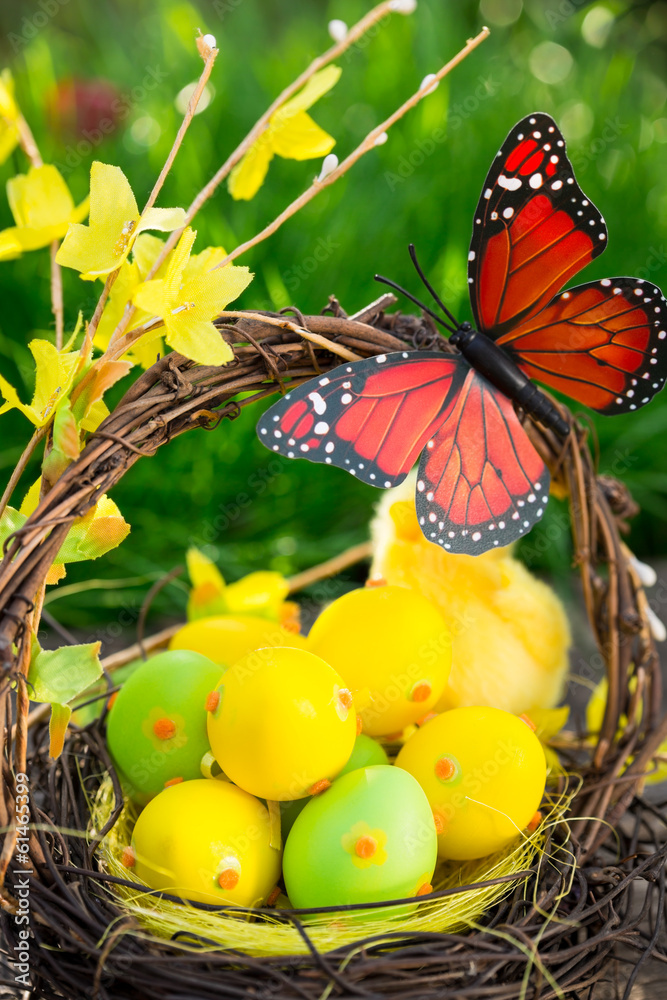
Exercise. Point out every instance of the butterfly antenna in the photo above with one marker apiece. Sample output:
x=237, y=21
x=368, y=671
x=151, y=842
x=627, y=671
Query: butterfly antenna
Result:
x=413, y=257
x=392, y=284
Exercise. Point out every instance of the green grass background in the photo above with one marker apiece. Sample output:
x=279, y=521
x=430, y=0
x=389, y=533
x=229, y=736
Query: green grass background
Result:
x=598, y=68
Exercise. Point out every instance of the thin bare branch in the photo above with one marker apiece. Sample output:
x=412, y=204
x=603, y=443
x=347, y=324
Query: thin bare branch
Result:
x=371, y=140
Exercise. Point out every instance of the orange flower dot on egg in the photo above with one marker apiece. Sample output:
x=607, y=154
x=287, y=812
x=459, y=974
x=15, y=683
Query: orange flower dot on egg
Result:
x=439, y=821
x=421, y=691
x=535, y=822
x=445, y=768
x=228, y=878
x=529, y=722
x=345, y=697
x=111, y=700
x=360, y=725
x=424, y=889
x=377, y=581
x=164, y=729
x=172, y=781
x=365, y=847
x=319, y=786
x=212, y=701
x=128, y=858
x=291, y=626
x=273, y=896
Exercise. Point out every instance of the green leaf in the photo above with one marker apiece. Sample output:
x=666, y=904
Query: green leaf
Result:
x=103, y=528
x=58, y=676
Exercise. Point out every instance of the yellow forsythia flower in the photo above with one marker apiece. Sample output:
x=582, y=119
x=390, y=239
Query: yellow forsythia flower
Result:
x=188, y=304
x=657, y=768
x=43, y=209
x=510, y=635
x=9, y=116
x=291, y=133
x=54, y=373
x=131, y=275
x=115, y=222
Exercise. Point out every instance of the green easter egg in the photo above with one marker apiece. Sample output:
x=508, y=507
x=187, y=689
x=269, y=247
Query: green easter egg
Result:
x=156, y=729
x=365, y=753
x=370, y=837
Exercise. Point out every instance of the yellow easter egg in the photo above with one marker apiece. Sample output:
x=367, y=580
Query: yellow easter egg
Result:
x=281, y=723
x=225, y=639
x=483, y=771
x=394, y=650
x=208, y=841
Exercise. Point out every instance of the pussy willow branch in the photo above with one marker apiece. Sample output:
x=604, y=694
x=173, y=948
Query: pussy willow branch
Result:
x=187, y=118
x=57, y=294
x=356, y=32
x=364, y=147
x=157, y=187
x=124, y=342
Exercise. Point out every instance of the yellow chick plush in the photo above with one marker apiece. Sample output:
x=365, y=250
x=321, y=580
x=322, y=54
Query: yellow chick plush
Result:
x=510, y=635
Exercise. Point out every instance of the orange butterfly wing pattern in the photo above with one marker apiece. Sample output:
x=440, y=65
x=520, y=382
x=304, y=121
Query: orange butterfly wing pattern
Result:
x=480, y=483
x=371, y=418
x=533, y=229
x=599, y=343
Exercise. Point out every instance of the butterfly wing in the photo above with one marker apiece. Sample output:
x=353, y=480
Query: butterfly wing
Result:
x=481, y=482
x=371, y=417
x=534, y=228
x=602, y=343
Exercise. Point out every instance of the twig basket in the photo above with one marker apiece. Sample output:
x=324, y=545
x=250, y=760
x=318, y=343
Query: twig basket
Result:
x=553, y=931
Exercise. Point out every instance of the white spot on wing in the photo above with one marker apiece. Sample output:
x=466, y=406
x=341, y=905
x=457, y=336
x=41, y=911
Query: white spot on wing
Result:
x=510, y=183
x=319, y=405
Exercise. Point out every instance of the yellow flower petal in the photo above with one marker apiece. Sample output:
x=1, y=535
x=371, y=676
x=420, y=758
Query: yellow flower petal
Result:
x=178, y=260
x=98, y=412
x=203, y=571
x=197, y=340
x=122, y=290
x=212, y=291
x=204, y=261
x=153, y=298
x=53, y=377
x=103, y=245
x=9, y=113
x=163, y=219
x=248, y=175
x=146, y=251
x=42, y=207
x=300, y=138
x=318, y=85
x=39, y=198
x=8, y=107
x=10, y=245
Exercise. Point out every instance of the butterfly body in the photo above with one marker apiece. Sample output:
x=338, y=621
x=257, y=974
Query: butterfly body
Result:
x=480, y=481
x=484, y=355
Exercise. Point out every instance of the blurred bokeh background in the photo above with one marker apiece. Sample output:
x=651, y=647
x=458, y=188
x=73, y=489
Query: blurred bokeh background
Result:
x=598, y=68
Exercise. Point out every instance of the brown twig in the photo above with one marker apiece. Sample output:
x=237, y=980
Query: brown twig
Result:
x=19, y=468
x=57, y=295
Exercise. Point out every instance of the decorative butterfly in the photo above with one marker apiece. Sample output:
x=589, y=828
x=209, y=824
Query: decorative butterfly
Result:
x=480, y=482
